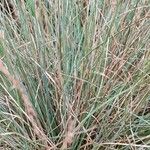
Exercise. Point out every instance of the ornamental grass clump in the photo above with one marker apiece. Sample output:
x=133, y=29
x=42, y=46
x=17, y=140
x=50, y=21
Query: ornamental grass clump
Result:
x=74, y=74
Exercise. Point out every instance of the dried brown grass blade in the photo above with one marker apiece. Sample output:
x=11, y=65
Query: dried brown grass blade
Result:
x=69, y=133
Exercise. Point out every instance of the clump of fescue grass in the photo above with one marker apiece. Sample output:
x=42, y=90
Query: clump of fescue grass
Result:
x=75, y=75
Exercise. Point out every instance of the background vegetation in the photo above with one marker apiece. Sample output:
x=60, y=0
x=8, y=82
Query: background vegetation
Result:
x=75, y=74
